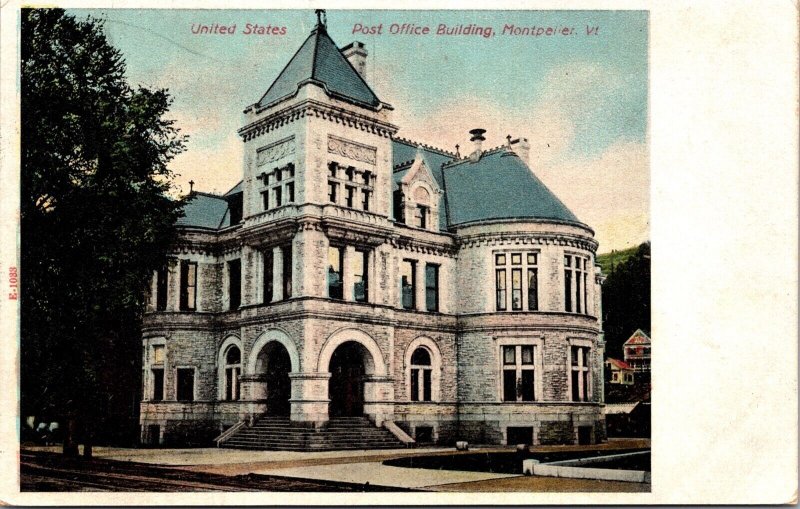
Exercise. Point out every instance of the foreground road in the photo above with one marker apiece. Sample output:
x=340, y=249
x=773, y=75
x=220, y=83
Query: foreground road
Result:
x=42, y=471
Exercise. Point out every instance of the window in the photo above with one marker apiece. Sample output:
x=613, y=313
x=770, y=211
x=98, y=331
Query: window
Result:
x=524, y=278
x=421, y=375
x=332, y=187
x=290, y=192
x=157, y=370
x=367, y=178
x=350, y=173
x=188, y=285
x=518, y=373
x=234, y=283
x=398, y=206
x=335, y=272
x=279, y=178
x=265, y=200
x=567, y=283
x=185, y=384
x=161, y=288
x=365, y=200
x=287, y=271
x=408, y=274
x=422, y=216
x=432, y=287
x=614, y=376
x=332, y=169
x=278, y=196
x=269, y=260
x=359, y=268
x=575, y=280
x=233, y=370
x=349, y=198
x=579, y=371
x=278, y=175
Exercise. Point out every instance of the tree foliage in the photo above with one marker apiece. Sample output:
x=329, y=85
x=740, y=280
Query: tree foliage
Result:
x=626, y=300
x=95, y=214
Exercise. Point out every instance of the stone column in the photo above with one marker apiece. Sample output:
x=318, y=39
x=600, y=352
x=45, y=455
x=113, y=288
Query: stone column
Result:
x=378, y=397
x=309, y=402
x=277, y=274
x=347, y=276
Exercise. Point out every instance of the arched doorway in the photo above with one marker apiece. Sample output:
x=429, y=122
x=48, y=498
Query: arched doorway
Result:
x=274, y=364
x=348, y=367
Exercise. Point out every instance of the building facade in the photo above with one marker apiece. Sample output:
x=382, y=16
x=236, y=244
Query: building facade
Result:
x=352, y=272
x=636, y=351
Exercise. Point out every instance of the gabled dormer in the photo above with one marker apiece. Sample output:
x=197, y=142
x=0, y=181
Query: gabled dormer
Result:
x=417, y=197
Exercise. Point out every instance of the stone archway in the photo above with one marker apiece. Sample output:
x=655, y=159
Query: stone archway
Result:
x=349, y=366
x=273, y=365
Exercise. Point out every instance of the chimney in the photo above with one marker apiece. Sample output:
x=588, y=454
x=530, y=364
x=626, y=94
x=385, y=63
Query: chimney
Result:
x=356, y=53
x=477, y=140
x=522, y=148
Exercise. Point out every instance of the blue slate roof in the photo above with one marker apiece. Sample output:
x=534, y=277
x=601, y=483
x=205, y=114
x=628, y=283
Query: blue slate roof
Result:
x=205, y=211
x=320, y=60
x=499, y=186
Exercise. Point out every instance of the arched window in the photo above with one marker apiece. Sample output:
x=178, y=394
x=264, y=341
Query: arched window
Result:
x=233, y=369
x=421, y=374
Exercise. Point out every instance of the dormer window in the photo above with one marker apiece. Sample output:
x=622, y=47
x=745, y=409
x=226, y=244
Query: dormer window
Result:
x=422, y=197
x=422, y=216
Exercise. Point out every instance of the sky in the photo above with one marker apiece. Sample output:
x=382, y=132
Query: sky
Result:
x=580, y=99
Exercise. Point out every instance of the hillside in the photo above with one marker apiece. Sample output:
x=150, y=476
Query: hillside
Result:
x=615, y=258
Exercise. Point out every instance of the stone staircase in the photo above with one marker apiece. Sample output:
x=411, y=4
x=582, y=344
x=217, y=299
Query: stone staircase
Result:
x=280, y=434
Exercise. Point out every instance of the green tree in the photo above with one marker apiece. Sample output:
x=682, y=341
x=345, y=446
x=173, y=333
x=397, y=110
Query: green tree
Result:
x=96, y=220
x=626, y=300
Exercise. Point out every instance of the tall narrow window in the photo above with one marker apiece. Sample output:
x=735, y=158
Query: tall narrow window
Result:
x=422, y=216
x=518, y=373
x=265, y=200
x=157, y=370
x=408, y=270
x=365, y=200
x=585, y=289
x=533, y=290
x=399, y=208
x=421, y=375
x=516, y=289
x=268, y=276
x=332, y=187
x=500, y=285
x=567, y=283
x=287, y=271
x=278, y=196
x=359, y=269
x=188, y=285
x=234, y=283
x=332, y=169
x=290, y=192
x=432, y=287
x=161, y=288
x=233, y=370
x=350, y=172
x=579, y=378
x=578, y=299
x=349, y=198
x=185, y=384
x=335, y=272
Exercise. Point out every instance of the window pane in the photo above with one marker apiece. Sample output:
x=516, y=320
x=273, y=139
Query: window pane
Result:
x=287, y=271
x=332, y=191
x=500, y=281
x=567, y=261
x=358, y=268
x=578, y=298
x=531, y=258
x=432, y=287
x=335, y=272
x=229, y=384
x=527, y=354
x=407, y=290
x=399, y=210
x=278, y=196
x=500, y=259
x=290, y=192
x=185, y=385
x=414, y=385
x=350, y=192
x=161, y=289
x=516, y=258
x=265, y=200
x=421, y=357
x=568, y=290
x=365, y=200
x=509, y=385
x=332, y=167
x=585, y=295
x=533, y=290
x=509, y=355
x=585, y=394
x=268, y=275
x=158, y=384
x=233, y=356
x=235, y=283
x=575, y=393
x=426, y=385
x=575, y=354
x=527, y=385
x=516, y=286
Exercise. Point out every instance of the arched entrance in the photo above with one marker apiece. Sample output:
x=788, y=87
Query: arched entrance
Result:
x=274, y=364
x=349, y=364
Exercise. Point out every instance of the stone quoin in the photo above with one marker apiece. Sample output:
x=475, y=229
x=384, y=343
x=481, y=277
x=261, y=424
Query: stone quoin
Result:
x=352, y=273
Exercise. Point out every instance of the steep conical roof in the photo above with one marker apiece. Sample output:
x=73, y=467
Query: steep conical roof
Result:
x=320, y=60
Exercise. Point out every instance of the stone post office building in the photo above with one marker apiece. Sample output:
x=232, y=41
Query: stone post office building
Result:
x=443, y=296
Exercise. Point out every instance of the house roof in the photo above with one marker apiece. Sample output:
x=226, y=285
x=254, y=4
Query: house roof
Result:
x=638, y=338
x=618, y=363
x=203, y=210
x=319, y=60
x=235, y=189
x=499, y=185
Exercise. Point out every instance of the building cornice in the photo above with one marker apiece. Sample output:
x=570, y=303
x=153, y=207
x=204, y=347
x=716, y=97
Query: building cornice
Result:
x=523, y=238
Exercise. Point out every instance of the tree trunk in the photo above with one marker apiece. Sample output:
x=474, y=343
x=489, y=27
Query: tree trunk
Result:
x=70, y=433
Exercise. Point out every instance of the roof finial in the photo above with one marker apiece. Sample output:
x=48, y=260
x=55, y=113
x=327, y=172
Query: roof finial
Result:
x=458, y=154
x=322, y=19
x=191, y=186
x=509, y=140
